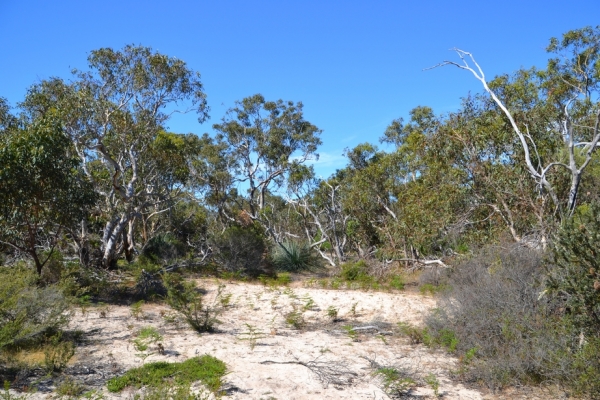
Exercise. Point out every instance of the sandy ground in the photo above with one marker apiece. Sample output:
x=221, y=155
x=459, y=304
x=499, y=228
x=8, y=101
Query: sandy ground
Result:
x=108, y=349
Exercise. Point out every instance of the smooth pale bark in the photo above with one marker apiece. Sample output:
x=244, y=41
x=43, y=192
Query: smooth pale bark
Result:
x=539, y=172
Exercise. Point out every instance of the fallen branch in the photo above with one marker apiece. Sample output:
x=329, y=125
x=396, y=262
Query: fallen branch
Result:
x=420, y=262
x=366, y=328
x=334, y=372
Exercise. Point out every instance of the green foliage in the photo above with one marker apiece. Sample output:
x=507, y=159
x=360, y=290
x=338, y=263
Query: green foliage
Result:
x=433, y=381
x=352, y=334
x=163, y=247
x=431, y=289
x=507, y=329
x=207, y=369
x=332, y=313
x=295, y=318
x=396, y=282
x=575, y=273
x=355, y=271
x=114, y=116
x=145, y=337
x=395, y=382
x=27, y=310
x=241, y=250
x=585, y=375
x=443, y=337
x=136, y=310
x=70, y=389
x=57, y=353
x=282, y=279
x=252, y=335
x=184, y=298
x=42, y=191
x=415, y=334
x=293, y=257
x=173, y=392
x=275, y=135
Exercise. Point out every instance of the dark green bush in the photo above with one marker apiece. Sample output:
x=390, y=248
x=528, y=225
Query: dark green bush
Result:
x=163, y=247
x=242, y=250
x=355, y=271
x=294, y=257
x=575, y=272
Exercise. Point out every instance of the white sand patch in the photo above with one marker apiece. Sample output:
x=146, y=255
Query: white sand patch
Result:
x=264, y=310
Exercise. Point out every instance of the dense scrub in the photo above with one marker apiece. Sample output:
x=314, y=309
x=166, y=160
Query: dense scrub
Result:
x=508, y=327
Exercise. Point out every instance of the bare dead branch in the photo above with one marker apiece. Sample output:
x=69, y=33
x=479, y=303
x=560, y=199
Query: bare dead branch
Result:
x=327, y=372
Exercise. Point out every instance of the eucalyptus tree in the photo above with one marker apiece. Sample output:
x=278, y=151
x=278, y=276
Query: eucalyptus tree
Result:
x=113, y=114
x=322, y=218
x=571, y=85
x=42, y=193
x=265, y=145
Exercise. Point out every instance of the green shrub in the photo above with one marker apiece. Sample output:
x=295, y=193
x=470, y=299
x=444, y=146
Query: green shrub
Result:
x=415, y=334
x=396, y=282
x=242, y=251
x=428, y=288
x=395, y=382
x=70, y=389
x=575, y=273
x=136, y=310
x=27, y=310
x=355, y=271
x=494, y=305
x=295, y=318
x=162, y=248
x=294, y=257
x=585, y=374
x=57, y=354
x=184, y=298
x=173, y=392
x=206, y=369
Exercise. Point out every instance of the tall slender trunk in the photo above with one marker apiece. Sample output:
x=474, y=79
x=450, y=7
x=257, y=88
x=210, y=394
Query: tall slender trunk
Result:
x=84, y=244
x=112, y=233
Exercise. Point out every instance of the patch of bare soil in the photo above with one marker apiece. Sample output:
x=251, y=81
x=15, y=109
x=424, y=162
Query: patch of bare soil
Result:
x=269, y=359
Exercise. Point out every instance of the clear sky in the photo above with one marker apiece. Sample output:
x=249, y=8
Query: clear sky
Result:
x=355, y=65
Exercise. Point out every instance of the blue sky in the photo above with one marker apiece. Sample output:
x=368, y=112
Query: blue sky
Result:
x=355, y=65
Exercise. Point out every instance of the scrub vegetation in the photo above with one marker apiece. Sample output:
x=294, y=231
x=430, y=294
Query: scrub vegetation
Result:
x=495, y=206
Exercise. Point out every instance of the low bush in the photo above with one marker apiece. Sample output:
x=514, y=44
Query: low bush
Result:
x=242, y=251
x=163, y=248
x=494, y=305
x=57, y=353
x=27, y=310
x=294, y=257
x=185, y=298
x=206, y=369
x=394, y=381
x=355, y=271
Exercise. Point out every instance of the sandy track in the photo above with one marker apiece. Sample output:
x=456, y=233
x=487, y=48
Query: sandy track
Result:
x=108, y=349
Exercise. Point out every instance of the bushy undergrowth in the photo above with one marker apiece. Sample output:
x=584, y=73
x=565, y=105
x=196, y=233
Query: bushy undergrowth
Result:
x=499, y=320
x=27, y=310
x=575, y=272
x=242, y=251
